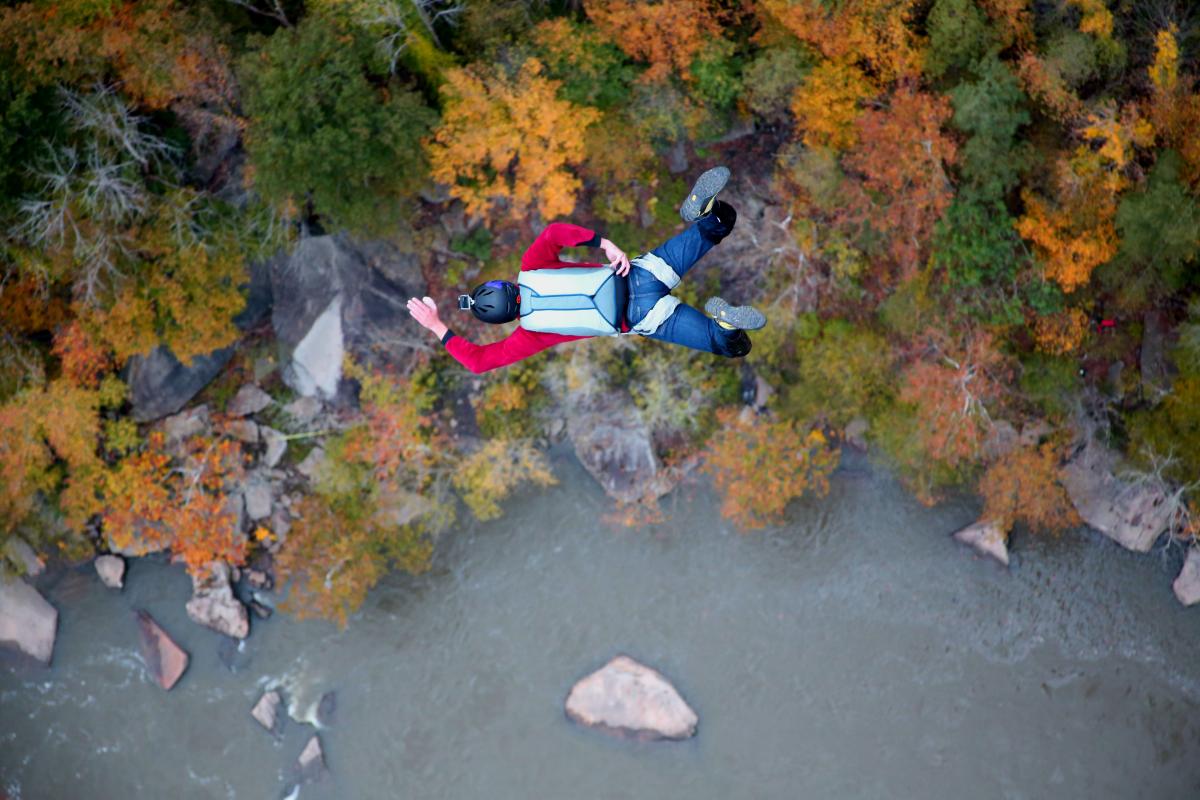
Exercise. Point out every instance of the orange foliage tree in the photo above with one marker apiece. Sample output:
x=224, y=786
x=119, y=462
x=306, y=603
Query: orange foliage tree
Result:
x=378, y=502
x=760, y=466
x=876, y=34
x=1024, y=486
x=514, y=141
x=826, y=105
x=667, y=34
x=1076, y=234
x=155, y=500
x=902, y=154
x=1173, y=107
x=936, y=433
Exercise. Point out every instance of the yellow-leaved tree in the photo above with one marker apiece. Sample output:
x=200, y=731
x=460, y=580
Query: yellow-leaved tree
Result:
x=509, y=142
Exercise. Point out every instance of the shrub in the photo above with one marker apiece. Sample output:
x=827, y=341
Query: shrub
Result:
x=328, y=127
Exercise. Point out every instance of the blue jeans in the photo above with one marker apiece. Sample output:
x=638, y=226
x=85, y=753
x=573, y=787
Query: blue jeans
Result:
x=686, y=326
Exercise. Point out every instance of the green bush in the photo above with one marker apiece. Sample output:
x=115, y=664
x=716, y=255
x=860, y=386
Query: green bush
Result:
x=327, y=126
x=840, y=374
x=1050, y=383
x=958, y=35
x=771, y=78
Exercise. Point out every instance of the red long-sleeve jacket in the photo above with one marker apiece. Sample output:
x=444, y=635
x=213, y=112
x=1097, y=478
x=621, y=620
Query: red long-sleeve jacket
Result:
x=521, y=343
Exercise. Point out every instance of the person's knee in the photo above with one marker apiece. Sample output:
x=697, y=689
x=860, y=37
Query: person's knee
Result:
x=718, y=223
x=736, y=344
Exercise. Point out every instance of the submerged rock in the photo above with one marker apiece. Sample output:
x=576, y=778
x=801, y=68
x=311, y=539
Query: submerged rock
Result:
x=27, y=622
x=111, y=570
x=987, y=538
x=327, y=710
x=1187, y=584
x=1133, y=515
x=630, y=699
x=266, y=711
x=310, y=766
x=165, y=659
x=213, y=604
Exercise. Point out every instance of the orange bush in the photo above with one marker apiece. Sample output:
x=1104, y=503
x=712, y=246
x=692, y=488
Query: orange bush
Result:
x=1023, y=486
x=759, y=466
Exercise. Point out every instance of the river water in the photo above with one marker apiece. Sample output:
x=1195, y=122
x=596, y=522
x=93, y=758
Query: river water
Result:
x=854, y=652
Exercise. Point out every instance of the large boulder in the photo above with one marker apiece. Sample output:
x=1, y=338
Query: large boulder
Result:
x=213, y=604
x=1187, y=584
x=333, y=295
x=630, y=699
x=165, y=659
x=615, y=446
x=987, y=538
x=159, y=384
x=1132, y=514
x=27, y=622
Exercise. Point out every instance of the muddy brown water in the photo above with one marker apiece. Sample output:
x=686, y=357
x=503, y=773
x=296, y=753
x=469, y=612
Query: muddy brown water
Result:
x=855, y=652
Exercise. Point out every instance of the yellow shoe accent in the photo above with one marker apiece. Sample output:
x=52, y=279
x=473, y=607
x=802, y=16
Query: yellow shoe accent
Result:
x=726, y=325
x=709, y=205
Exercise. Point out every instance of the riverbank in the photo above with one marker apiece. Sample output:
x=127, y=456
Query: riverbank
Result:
x=855, y=651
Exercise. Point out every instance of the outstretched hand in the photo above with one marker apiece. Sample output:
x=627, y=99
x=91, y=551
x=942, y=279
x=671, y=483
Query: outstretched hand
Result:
x=617, y=260
x=425, y=312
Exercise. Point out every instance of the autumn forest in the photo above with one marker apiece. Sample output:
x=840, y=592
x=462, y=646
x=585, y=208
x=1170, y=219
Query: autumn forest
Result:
x=973, y=226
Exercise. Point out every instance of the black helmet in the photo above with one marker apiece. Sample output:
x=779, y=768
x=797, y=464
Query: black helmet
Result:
x=494, y=302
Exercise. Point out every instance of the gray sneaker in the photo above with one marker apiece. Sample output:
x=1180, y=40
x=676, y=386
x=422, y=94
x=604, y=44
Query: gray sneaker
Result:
x=747, y=318
x=699, y=201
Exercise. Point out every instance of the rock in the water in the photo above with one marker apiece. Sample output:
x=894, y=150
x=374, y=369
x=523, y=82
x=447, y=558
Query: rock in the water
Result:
x=111, y=570
x=249, y=400
x=987, y=538
x=22, y=556
x=27, y=622
x=266, y=711
x=310, y=766
x=631, y=699
x=1187, y=584
x=165, y=659
x=1133, y=515
x=614, y=445
x=276, y=445
x=327, y=709
x=312, y=464
x=856, y=432
x=257, y=492
x=260, y=610
x=160, y=385
x=214, y=605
